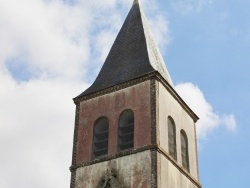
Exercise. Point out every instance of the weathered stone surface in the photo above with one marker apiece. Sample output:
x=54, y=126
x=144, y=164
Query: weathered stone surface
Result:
x=152, y=103
x=168, y=106
x=132, y=171
x=170, y=176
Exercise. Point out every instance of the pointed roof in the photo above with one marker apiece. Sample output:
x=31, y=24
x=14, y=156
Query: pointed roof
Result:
x=133, y=54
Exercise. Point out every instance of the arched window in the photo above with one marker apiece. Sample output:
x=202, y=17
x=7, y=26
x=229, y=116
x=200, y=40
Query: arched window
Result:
x=126, y=130
x=100, y=137
x=171, y=138
x=184, y=150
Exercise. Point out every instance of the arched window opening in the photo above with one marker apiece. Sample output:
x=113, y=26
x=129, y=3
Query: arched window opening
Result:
x=184, y=150
x=172, y=138
x=126, y=130
x=100, y=137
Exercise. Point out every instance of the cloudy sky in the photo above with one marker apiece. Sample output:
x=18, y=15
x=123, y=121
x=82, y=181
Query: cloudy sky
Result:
x=51, y=50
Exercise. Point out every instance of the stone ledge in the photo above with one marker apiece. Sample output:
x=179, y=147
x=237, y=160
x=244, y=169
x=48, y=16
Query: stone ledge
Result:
x=157, y=148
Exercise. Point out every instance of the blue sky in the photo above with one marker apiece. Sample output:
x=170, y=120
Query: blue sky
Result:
x=51, y=50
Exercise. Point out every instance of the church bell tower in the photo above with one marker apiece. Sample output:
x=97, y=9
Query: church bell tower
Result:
x=132, y=130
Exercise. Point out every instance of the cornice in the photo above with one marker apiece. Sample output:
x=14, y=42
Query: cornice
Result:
x=155, y=147
x=153, y=75
x=115, y=88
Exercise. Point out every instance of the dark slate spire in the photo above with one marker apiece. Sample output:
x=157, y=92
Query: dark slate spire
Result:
x=133, y=54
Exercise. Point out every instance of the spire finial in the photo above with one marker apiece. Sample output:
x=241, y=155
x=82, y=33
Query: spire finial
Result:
x=135, y=1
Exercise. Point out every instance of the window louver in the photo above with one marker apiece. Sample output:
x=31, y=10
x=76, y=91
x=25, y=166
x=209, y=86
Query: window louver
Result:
x=172, y=138
x=101, y=134
x=184, y=150
x=126, y=130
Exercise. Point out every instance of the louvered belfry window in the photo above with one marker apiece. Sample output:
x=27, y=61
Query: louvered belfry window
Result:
x=126, y=130
x=100, y=137
x=184, y=150
x=172, y=138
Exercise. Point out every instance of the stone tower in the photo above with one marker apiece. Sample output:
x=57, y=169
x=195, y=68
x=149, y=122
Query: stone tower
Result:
x=132, y=130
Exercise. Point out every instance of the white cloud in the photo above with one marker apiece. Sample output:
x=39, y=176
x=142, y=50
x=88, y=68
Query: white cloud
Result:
x=103, y=43
x=160, y=30
x=187, y=6
x=230, y=122
x=37, y=119
x=209, y=120
x=59, y=43
x=37, y=115
x=29, y=27
x=159, y=25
